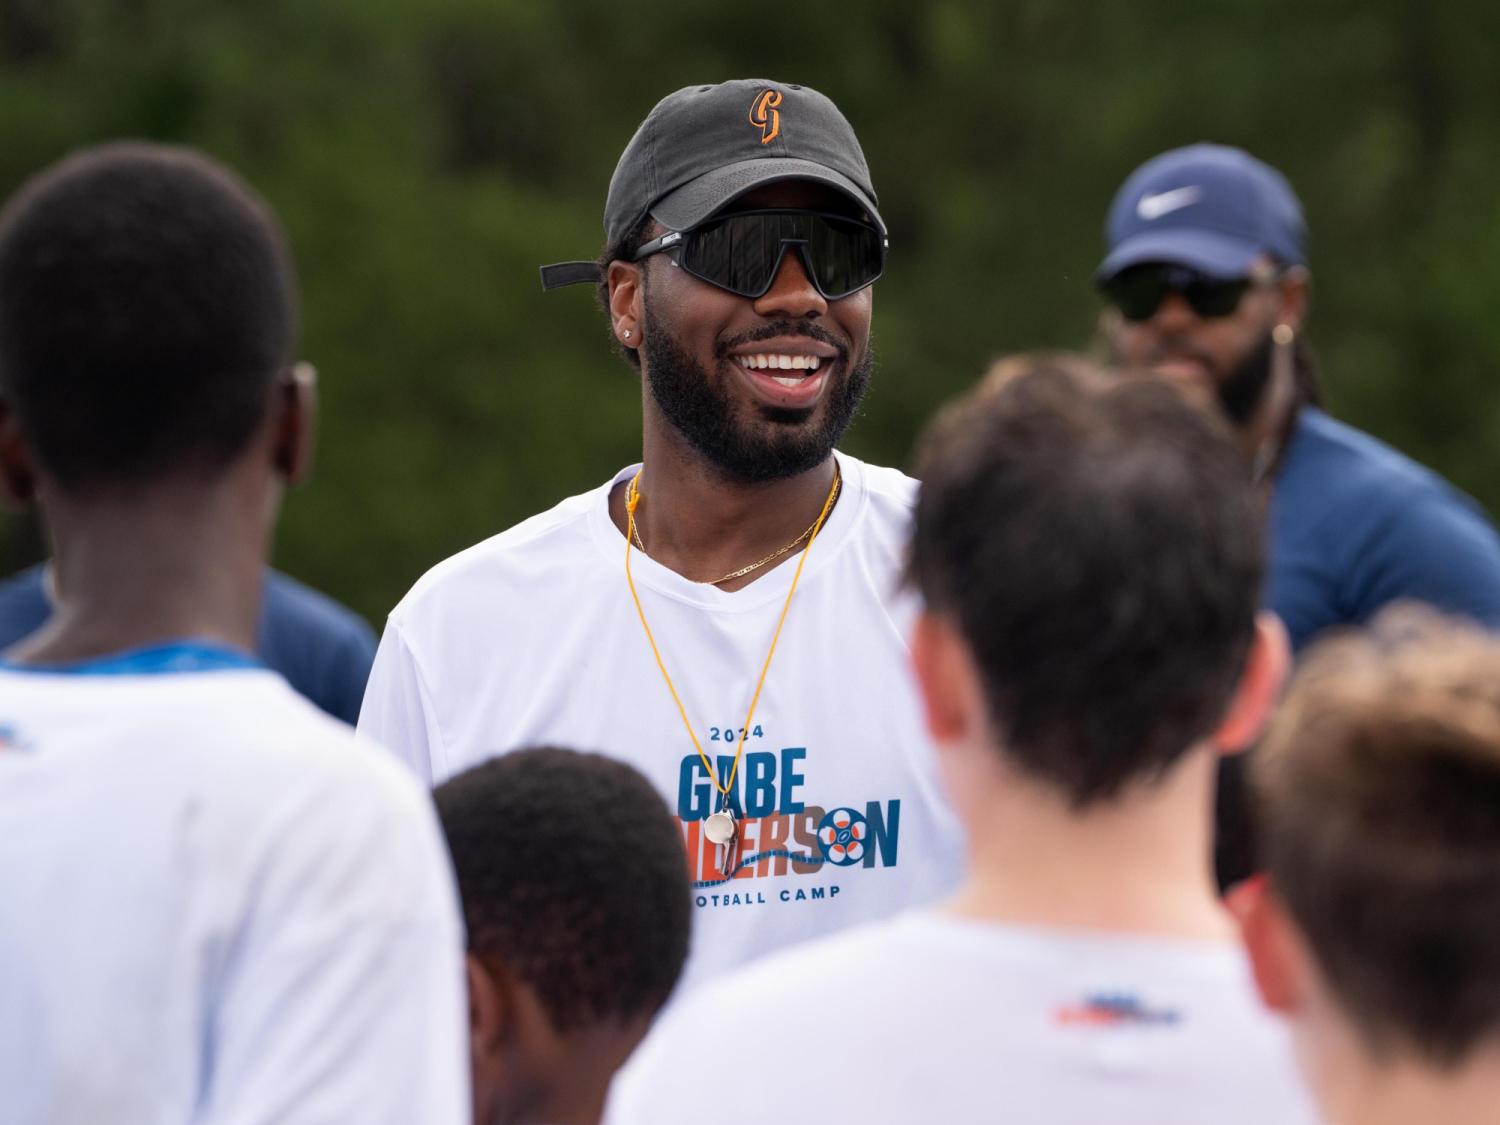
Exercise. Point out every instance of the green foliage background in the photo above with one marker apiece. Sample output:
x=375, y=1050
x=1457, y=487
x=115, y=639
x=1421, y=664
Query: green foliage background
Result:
x=426, y=157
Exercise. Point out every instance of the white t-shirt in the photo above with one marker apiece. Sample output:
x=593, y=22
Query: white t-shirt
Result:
x=531, y=638
x=216, y=907
x=929, y=1018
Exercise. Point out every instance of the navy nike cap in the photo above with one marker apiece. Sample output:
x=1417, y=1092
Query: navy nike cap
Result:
x=1209, y=207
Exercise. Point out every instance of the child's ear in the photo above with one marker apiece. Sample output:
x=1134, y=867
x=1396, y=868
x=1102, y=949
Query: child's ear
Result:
x=492, y=1008
x=939, y=660
x=1266, y=667
x=17, y=471
x=1271, y=943
x=296, y=406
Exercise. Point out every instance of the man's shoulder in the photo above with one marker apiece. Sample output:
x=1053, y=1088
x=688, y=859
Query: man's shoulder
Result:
x=887, y=499
x=264, y=738
x=1340, y=479
x=25, y=583
x=300, y=747
x=289, y=602
x=531, y=554
x=975, y=991
x=23, y=605
x=841, y=964
x=1343, y=462
x=841, y=975
x=847, y=963
x=323, y=648
x=298, y=737
x=888, y=489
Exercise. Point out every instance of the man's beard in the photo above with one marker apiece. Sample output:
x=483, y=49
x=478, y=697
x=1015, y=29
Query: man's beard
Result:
x=785, y=443
x=1241, y=391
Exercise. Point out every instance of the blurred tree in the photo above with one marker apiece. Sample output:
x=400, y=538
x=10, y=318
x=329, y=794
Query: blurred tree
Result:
x=426, y=158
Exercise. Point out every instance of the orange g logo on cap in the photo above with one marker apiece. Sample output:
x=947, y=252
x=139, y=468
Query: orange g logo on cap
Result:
x=765, y=116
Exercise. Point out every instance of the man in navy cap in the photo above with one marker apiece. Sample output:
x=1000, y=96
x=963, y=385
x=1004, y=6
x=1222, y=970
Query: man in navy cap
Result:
x=1207, y=282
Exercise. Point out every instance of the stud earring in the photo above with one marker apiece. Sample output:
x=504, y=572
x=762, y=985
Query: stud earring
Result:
x=626, y=333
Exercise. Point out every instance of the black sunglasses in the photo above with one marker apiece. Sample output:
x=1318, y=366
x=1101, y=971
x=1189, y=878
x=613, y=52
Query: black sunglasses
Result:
x=1139, y=291
x=742, y=251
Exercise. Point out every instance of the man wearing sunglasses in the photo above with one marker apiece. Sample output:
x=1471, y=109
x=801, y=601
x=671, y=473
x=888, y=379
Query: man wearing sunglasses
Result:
x=1207, y=283
x=726, y=615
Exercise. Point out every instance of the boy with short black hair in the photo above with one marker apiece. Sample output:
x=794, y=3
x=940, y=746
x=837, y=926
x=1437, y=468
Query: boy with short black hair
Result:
x=1378, y=788
x=576, y=897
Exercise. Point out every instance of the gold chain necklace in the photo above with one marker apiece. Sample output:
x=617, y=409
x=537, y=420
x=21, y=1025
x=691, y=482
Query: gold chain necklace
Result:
x=719, y=827
x=838, y=482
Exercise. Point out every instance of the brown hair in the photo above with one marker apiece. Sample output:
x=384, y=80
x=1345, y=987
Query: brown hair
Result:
x=1097, y=544
x=1379, y=787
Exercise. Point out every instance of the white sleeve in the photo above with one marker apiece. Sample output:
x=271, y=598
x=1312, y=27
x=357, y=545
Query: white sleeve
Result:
x=397, y=712
x=343, y=998
x=672, y=1079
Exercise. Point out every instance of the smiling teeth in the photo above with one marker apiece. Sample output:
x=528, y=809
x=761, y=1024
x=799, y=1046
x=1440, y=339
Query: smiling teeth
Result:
x=783, y=362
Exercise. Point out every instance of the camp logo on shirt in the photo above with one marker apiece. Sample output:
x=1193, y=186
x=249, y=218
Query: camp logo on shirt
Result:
x=1115, y=1010
x=779, y=834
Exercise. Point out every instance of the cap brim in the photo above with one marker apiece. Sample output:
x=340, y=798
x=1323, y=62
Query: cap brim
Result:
x=571, y=273
x=688, y=205
x=1218, y=255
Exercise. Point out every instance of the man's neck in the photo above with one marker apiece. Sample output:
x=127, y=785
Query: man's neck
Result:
x=1407, y=1091
x=1139, y=864
x=184, y=561
x=694, y=520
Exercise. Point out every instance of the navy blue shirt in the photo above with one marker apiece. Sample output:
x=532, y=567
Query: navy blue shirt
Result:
x=1355, y=524
x=322, y=649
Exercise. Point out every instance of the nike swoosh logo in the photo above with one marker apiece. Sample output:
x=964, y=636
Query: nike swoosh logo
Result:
x=1155, y=206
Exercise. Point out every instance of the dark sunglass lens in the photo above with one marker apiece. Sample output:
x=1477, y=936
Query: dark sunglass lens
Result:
x=1136, y=293
x=741, y=252
x=846, y=255
x=1213, y=298
x=737, y=252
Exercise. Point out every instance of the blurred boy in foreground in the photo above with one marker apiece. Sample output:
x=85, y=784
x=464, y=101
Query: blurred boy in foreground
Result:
x=1379, y=935
x=1089, y=552
x=213, y=905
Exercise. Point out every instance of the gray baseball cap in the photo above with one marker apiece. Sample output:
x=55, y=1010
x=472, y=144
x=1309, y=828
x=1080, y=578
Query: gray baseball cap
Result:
x=704, y=146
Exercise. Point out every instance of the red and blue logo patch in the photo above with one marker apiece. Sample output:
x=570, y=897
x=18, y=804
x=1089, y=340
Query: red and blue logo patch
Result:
x=1116, y=1010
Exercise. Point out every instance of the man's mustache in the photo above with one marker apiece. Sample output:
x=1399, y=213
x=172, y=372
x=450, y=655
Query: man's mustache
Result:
x=1170, y=350
x=783, y=329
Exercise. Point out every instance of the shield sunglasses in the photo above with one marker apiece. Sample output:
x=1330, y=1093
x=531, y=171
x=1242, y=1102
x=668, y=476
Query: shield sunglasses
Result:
x=1139, y=291
x=742, y=251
